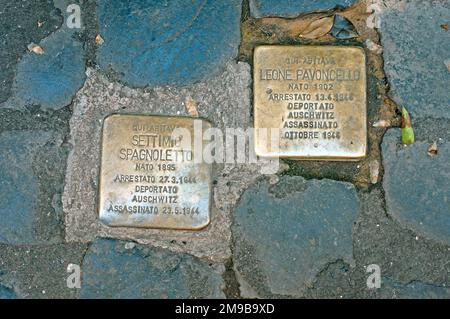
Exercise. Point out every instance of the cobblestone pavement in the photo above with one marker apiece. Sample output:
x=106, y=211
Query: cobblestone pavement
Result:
x=311, y=230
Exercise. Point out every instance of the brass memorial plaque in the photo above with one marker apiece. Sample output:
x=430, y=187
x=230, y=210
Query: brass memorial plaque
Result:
x=148, y=177
x=315, y=96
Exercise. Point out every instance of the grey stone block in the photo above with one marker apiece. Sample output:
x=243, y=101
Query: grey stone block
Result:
x=286, y=233
x=417, y=186
x=116, y=269
x=415, y=50
x=31, y=271
x=29, y=213
x=150, y=43
x=7, y=293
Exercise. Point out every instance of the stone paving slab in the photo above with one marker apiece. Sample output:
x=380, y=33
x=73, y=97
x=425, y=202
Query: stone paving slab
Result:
x=410, y=266
x=284, y=234
x=26, y=217
x=415, y=50
x=52, y=78
x=39, y=271
x=417, y=186
x=150, y=43
x=7, y=293
x=20, y=20
x=403, y=255
x=413, y=290
x=116, y=269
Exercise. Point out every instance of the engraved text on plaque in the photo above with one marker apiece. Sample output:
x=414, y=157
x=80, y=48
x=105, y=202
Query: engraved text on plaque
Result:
x=316, y=96
x=148, y=178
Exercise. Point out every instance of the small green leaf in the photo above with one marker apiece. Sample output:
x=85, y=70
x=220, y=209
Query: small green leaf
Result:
x=407, y=129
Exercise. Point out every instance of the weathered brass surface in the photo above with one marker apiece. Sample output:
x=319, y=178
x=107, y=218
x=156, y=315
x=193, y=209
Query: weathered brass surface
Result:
x=149, y=178
x=315, y=96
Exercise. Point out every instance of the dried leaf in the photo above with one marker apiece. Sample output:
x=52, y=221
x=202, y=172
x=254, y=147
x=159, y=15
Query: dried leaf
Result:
x=318, y=28
x=433, y=149
x=407, y=129
x=357, y=12
x=99, y=40
x=382, y=123
x=289, y=27
x=343, y=28
x=191, y=107
x=444, y=26
x=374, y=168
x=35, y=48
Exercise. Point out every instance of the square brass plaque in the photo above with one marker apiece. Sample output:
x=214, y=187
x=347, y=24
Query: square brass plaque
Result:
x=148, y=177
x=315, y=96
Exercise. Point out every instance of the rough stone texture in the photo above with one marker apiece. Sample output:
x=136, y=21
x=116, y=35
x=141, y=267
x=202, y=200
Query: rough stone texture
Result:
x=339, y=280
x=51, y=79
x=402, y=228
x=402, y=256
x=19, y=28
x=412, y=290
x=7, y=293
x=415, y=49
x=39, y=271
x=26, y=216
x=177, y=42
x=97, y=99
x=113, y=269
x=417, y=186
x=286, y=233
x=410, y=265
x=292, y=8
x=35, y=119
